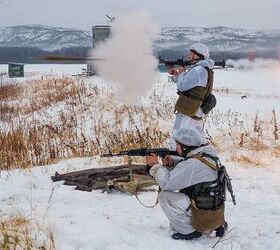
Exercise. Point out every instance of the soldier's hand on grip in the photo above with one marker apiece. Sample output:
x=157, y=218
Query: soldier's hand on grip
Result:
x=167, y=161
x=151, y=159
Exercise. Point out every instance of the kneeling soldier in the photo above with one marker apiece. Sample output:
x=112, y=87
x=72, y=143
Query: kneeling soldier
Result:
x=198, y=207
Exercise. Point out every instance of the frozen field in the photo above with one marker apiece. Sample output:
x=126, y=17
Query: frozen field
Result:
x=100, y=221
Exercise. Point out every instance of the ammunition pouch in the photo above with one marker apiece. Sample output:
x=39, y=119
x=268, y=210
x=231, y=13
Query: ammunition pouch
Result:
x=207, y=205
x=206, y=195
x=208, y=104
x=204, y=220
x=208, y=198
x=189, y=101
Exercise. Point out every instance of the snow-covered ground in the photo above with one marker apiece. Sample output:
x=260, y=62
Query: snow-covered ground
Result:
x=96, y=220
x=38, y=70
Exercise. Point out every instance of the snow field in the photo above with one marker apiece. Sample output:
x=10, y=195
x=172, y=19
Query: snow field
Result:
x=96, y=220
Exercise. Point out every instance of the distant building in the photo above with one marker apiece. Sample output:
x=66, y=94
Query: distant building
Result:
x=99, y=34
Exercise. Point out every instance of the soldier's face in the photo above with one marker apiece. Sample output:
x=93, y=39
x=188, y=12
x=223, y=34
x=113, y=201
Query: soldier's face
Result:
x=192, y=56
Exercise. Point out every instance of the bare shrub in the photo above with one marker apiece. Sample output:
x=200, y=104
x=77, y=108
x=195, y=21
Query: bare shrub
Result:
x=257, y=136
x=10, y=91
x=18, y=232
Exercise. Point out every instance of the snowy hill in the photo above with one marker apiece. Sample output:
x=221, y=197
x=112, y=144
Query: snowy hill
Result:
x=174, y=39
x=218, y=38
x=43, y=37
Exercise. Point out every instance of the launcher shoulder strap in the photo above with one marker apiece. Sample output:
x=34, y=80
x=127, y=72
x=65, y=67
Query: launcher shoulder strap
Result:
x=210, y=81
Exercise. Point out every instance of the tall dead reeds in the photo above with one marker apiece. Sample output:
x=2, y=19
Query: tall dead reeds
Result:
x=19, y=232
x=49, y=119
x=62, y=118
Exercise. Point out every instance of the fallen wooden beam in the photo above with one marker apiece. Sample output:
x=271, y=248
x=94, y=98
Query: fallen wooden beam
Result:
x=123, y=178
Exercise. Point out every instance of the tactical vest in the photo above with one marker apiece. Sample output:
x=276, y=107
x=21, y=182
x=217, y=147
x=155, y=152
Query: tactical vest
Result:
x=189, y=101
x=207, y=199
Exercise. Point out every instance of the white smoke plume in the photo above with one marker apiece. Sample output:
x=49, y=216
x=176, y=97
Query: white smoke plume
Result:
x=128, y=56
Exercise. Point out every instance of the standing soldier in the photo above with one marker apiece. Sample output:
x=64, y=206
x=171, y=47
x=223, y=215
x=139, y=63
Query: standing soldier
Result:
x=194, y=89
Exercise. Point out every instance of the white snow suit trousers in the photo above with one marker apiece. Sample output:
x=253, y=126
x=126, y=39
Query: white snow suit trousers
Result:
x=175, y=205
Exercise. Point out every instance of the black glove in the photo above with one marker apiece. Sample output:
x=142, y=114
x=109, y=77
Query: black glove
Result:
x=208, y=104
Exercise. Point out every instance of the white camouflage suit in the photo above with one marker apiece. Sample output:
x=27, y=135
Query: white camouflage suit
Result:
x=197, y=76
x=185, y=174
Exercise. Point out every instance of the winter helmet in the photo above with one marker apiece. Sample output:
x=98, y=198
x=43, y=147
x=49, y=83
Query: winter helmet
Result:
x=200, y=49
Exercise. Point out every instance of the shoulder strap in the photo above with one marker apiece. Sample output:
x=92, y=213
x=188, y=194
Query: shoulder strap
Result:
x=210, y=81
x=201, y=157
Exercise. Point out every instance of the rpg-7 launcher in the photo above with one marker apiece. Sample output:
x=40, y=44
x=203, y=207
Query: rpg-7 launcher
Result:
x=66, y=58
x=183, y=63
x=162, y=152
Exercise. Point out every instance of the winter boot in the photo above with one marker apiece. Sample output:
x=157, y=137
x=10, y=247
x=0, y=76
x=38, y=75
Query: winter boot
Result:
x=191, y=236
x=220, y=231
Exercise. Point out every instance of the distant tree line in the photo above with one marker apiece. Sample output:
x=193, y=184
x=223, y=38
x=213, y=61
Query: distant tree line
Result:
x=30, y=55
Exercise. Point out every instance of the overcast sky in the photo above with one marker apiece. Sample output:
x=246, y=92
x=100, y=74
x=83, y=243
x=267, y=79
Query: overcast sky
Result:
x=82, y=14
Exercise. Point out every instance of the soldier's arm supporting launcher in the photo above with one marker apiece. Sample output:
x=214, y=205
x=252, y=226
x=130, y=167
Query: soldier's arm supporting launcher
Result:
x=183, y=63
x=162, y=152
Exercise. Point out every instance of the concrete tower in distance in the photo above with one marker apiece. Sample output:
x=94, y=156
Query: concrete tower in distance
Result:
x=99, y=34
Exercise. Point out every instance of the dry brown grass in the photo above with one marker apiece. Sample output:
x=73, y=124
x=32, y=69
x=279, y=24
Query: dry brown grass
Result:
x=261, y=136
x=13, y=150
x=230, y=92
x=276, y=151
x=7, y=112
x=50, y=91
x=252, y=160
x=88, y=122
x=17, y=232
x=10, y=92
x=31, y=141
